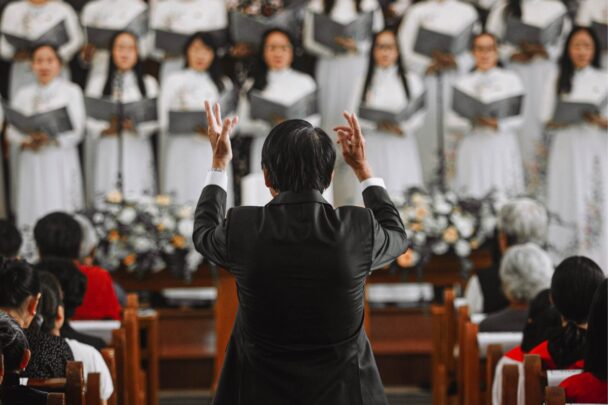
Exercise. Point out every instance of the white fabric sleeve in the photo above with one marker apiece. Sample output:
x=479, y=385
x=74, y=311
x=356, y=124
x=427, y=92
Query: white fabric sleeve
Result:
x=474, y=296
x=372, y=181
x=217, y=178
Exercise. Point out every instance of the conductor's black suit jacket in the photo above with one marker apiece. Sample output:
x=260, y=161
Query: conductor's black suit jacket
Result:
x=300, y=267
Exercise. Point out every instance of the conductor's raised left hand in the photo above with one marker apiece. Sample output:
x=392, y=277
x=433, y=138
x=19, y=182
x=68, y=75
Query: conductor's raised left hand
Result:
x=219, y=135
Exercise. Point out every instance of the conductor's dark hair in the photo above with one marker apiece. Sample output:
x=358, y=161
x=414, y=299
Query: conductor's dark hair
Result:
x=58, y=235
x=543, y=320
x=138, y=69
x=260, y=70
x=574, y=283
x=73, y=283
x=513, y=9
x=50, y=301
x=597, y=335
x=49, y=45
x=13, y=343
x=215, y=70
x=10, y=239
x=298, y=157
x=566, y=66
x=328, y=5
x=371, y=67
x=18, y=282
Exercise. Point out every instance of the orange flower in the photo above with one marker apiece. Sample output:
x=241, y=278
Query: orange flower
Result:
x=450, y=235
x=416, y=227
x=129, y=260
x=113, y=236
x=160, y=227
x=178, y=241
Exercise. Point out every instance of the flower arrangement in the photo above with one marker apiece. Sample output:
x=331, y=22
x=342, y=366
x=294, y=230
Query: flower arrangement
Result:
x=441, y=222
x=147, y=235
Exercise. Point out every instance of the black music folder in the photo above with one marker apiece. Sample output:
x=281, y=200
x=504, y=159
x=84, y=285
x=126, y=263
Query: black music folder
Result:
x=472, y=108
x=52, y=122
x=326, y=30
x=189, y=122
x=271, y=111
x=429, y=41
x=392, y=117
x=519, y=32
x=100, y=37
x=56, y=36
x=104, y=109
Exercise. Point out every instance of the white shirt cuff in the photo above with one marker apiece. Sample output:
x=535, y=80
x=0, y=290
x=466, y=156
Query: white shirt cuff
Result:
x=217, y=178
x=372, y=181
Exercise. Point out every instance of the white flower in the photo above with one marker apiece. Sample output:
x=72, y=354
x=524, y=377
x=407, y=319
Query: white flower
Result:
x=193, y=259
x=464, y=223
x=185, y=212
x=185, y=227
x=127, y=215
x=167, y=223
x=142, y=245
x=488, y=224
x=98, y=218
x=440, y=248
x=462, y=248
x=419, y=238
x=442, y=206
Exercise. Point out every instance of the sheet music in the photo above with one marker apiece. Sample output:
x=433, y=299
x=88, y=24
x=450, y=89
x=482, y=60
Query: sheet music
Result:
x=518, y=31
x=189, y=122
x=326, y=30
x=249, y=29
x=52, y=122
x=472, y=108
x=56, y=36
x=271, y=112
x=393, y=117
x=428, y=41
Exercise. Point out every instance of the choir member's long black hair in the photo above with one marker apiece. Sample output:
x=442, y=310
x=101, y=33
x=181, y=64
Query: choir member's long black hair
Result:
x=573, y=285
x=46, y=45
x=260, y=70
x=371, y=67
x=138, y=69
x=215, y=69
x=566, y=67
x=595, y=352
x=328, y=5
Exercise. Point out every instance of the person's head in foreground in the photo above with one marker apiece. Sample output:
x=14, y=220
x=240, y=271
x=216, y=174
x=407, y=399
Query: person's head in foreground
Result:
x=10, y=240
x=14, y=345
x=72, y=283
x=50, y=310
x=297, y=157
x=19, y=291
x=525, y=270
x=522, y=220
x=58, y=235
x=596, y=361
x=543, y=319
x=574, y=283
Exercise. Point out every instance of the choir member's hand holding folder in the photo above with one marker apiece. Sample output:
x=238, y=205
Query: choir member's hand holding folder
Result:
x=57, y=36
x=52, y=123
x=342, y=38
x=274, y=112
x=105, y=109
x=192, y=122
x=100, y=37
x=173, y=43
x=571, y=112
x=387, y=119
x=474, y=109
x=250, y=29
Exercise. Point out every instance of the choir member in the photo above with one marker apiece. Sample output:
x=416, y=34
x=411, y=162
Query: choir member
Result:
x=591, y=387
x=187, y=90
x=392, y=148
x=48, y=174
x=124, y=83
x=112, y=15
x=573, y=285
x=336, y=73
x=533, y=62
x=448, y=16
x=578, y=157
x=185, y=17
x=30, y=19
x=595, y=13
x=276, y=81
x=489, y=157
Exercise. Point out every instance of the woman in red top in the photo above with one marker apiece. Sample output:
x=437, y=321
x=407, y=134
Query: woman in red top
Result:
x=591, y=385
x=59, y=235
x=573, y=284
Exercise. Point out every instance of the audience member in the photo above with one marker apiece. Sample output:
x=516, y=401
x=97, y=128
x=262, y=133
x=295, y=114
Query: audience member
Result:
x=524, y=272
x=59, y=235
x=591, y=386
x=520, y=221
x=10, y=240
x=15, y=349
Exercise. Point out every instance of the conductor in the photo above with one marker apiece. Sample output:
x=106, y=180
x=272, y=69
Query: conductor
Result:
x=300, y=267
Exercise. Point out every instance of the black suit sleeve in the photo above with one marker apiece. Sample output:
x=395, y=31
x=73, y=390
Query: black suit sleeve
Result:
x=388, y=232
x=211, y=226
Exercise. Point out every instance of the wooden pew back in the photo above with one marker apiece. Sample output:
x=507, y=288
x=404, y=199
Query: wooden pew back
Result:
x=55, y=398
x=510, y=383
x=535, y=380
x=93, y=393
x=72, y=385
x=555, y=396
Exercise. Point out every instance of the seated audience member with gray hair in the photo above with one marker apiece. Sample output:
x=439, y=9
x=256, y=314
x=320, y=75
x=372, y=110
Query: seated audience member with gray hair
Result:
x=525, y=271
x=521, y=220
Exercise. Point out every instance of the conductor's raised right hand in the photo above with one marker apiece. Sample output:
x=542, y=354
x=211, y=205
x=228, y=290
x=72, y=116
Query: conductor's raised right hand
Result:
x=219, y=135
x=352, y=142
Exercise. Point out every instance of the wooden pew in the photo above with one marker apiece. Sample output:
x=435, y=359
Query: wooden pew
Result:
x=535, y=380
x=109, y=356
x=72, y=385
x=55, y=398
x=135, y=381
x=555, y=396
x=510, y=383
x=93, y=392
x=1, y=368
x=444, y=337
x=119, y=345
x=493, y=355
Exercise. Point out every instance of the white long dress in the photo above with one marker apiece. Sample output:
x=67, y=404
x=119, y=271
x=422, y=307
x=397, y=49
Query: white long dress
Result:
x=184, y=17
x=50, y=179
x=393, y=157
x=115, y=15
x=186, y=158
x=591, y=11
x=25, y=19
x=578, y=174
x=138, y=161
x=533, y=75
x=449, y=16
x=489, y=159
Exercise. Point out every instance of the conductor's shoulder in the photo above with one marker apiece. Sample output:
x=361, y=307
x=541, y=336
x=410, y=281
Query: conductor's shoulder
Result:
x=353, y=214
